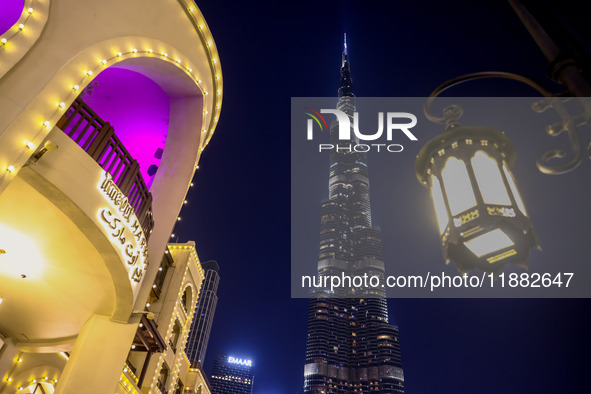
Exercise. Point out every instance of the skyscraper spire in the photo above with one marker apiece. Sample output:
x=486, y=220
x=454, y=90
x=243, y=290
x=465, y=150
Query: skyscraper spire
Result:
x=345, y=53
x=346, y=88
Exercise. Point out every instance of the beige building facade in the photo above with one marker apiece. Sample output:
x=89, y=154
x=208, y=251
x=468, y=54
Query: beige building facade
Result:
x=82, y=232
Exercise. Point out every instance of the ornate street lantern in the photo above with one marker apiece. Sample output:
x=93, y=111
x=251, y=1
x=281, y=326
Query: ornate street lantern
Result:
x=482, y=219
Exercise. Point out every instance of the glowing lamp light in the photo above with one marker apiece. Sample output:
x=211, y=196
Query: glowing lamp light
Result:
x=481, y=217
x=20, y=255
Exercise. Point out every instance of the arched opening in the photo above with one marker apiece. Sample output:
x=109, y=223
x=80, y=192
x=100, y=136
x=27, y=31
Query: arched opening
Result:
x=138, y=109
x=11, y=12
x=187, y=299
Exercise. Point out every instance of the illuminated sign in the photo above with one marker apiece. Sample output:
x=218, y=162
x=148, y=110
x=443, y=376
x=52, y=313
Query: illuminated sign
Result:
x=123, y=228
x=233, y=360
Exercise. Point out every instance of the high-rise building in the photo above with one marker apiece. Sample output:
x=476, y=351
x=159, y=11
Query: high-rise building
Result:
x=204, y=312
x=350, y=345
x=232, y=374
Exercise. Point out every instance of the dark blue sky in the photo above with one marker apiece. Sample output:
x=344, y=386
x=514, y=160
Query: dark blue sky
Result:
x=239, y=209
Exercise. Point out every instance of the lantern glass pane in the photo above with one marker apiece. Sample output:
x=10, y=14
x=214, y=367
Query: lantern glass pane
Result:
x=458, y=188
x=514, y=190
x=439, y=204
x=489, y=242
x=489, y=178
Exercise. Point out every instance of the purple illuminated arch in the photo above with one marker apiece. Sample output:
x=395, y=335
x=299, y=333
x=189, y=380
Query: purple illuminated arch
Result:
x=138, y=109
x=9, y=14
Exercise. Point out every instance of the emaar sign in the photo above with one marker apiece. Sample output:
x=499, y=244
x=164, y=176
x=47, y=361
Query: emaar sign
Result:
x=234, y=360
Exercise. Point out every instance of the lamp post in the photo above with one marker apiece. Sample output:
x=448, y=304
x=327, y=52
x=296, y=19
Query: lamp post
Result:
x=483, y=222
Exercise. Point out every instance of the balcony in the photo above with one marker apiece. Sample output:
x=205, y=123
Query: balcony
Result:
x=98, y=139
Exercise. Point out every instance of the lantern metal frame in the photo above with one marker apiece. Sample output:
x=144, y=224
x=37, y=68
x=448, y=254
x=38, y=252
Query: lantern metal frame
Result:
x=463, y=142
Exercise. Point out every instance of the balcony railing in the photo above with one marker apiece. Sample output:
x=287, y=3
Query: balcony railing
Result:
x=161, y=387
x=98, y=139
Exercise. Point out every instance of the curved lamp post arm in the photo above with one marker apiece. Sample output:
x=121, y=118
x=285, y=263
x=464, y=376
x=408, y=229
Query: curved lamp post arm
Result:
x=568, y=123
x=470, y=77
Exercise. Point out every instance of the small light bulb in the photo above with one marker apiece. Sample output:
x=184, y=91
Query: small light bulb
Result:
x=21, y=26
x=185, y=202
x=62, y=105
x=20, y=360
x=178, y=61
x=118, y=54
x=178, y=219
x=201, y=26
x=190, y=70
x=191, y=9
x=30, y=145
x=46, y=124
x=153, y=286
x=1, y=303
x=88, y=72
x=150, y=50
x=9, y=379
x=197, y=167
x=148, y=305
x=104, y=61
x=133, y=347
x=3, y=40
x=209, y=43
x=215, y=60
x=75, y=87
x=192, y=184
x=160, y=269
x=134, y=50
x=30, y=10
x=206, y=93
x=141, y=325
x=165, y=54
x=205, y=131
x=205, y=112
x=171, y=235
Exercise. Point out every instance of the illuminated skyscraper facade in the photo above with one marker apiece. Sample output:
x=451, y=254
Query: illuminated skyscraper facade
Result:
x=351, y=347
x=232, y=374
x=204, y=312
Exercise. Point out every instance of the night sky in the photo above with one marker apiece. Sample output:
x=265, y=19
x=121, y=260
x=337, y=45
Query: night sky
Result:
x=239, y=209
